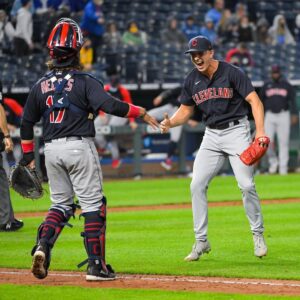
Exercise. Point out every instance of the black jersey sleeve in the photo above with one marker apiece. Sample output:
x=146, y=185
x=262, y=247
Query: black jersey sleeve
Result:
x=186, y=93
x=240, y=81
x=32, y=108
x=99, y=99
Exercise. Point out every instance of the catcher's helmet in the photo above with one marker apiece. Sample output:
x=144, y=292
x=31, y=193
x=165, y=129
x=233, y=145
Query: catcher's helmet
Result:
x=65, y=40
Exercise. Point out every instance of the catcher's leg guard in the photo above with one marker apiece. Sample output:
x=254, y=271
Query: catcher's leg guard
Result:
x=48, y=232
x=94, y=242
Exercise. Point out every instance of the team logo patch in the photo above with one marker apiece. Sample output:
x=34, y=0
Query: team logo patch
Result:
x=194, y=43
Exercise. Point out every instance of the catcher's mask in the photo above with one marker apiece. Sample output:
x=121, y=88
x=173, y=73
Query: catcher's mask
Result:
x=64, y=42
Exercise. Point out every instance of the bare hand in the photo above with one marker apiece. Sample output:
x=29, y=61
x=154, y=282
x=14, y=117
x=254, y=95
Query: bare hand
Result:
x=31, y=165
x=133, y=125
x=157, y=100
x=9, y=145
x=294, y=119
x=151, y=121
x=165, y=124
x=192, y=123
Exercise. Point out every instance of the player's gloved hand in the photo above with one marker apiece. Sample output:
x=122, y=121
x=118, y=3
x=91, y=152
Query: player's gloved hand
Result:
x=165, y=124
x=27, y=159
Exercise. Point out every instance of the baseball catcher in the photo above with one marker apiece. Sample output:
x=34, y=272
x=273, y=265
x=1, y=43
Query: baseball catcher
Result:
x=25, y=181
x=255, y=151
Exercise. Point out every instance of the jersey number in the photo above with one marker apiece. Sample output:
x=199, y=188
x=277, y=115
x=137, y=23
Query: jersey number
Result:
x=60, y=113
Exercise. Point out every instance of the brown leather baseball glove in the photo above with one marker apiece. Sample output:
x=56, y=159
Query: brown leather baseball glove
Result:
x=26, y=182
x=255, y=151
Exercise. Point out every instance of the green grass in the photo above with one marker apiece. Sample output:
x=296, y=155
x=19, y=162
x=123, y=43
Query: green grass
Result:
x=12, y=292
x=155, y=242
x=176, y=190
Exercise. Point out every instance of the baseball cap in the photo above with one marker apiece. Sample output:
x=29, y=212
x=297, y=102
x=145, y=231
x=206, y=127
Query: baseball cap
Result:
x=199, y=43
x=275, y=69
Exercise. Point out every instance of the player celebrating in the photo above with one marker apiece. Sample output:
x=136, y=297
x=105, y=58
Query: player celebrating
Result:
x=219, y=91
x=68, y=99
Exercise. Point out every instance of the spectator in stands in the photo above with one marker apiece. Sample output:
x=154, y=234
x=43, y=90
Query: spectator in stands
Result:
x=278, y=97
x=24, y=29
x=189, y=28
x=7, y=33
x=167, y=102
x=86, y=55
x=245, y=30
x=208, y=31
x=215, y=13
x=15, y=8
x=241, y=10
x=115, y=88
x=297, y=28
x=279, y=32
x=113, y=42
x=134, y=36
x=172, y=34
x=227, y=29
x=92, y=24
x=8, y=222
x=262, y=34
x=112, y=37
x=239, y=56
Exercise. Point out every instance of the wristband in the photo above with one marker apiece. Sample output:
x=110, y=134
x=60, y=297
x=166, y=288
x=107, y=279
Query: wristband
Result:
x=134, y=111
x=7, y=136
x=27, y=147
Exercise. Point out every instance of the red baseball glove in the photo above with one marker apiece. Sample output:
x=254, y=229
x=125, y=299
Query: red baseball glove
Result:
x=255, y=151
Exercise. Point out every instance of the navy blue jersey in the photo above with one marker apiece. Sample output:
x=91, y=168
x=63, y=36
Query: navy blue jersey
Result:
x=84, y=92
x=220, y=99
x=278, y=96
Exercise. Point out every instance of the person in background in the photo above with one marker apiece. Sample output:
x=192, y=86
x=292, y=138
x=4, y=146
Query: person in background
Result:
x=8, y=222
x=133, y=36
x=24, y=30
x=86, y=55
x=262, y=34
x=117, y=90
x=14, y=112
x=279, y=32
x=189, y=28
x=7, y=33
x=92, y=24
x=278, y=97
x=167, y=102
x=215, y=13
x=246, y=30
x=172, y=34
x=239, y=56
x=209, y=31
x=113, y=42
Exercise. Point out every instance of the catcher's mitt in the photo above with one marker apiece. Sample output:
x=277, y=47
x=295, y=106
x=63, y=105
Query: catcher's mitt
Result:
x=255, y=151
x=26, y=182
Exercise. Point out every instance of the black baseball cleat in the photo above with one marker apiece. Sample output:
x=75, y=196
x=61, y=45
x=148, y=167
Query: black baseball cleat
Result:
x=12, y=226
x=40, y=260
x=95, y=272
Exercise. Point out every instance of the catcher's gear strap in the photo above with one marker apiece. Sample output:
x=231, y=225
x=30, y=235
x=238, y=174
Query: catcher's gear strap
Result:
x=54, y=223
x=94, y=237
x=61, y=99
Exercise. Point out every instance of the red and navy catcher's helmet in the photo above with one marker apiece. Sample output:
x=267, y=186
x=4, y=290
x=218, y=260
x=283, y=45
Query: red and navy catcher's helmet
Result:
x=65, y=41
